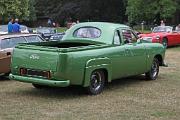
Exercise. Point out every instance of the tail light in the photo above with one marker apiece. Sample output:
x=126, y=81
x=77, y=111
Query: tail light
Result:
x=35, y=73
x=23, y=71
x=47, y=74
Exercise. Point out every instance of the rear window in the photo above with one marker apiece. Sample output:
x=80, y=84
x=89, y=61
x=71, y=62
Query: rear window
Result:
x=87, y=32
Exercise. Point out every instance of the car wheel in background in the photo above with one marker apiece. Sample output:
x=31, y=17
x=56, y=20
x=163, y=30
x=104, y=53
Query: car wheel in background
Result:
x=97, y=81
x=165, y=42
x=154, y=71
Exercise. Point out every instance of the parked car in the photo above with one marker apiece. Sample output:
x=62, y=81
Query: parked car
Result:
x=8, y=42
x=46, y=32
x=89, y=55
x=164, y=35
x=4, y=29
x=57, y=37
x=24, y=29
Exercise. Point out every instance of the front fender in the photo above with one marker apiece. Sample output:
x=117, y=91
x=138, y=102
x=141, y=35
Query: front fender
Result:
x=94, y=64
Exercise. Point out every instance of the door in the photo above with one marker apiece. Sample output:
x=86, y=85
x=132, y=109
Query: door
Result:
x=118, y=57
x=135, y=53
x=176, y=37
x=173, y=38
x=5, y=56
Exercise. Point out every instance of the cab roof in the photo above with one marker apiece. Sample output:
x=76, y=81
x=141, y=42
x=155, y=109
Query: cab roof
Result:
x=102, y=25
x=107, y=31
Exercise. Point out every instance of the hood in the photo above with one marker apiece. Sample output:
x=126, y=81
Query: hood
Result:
x=153, y=34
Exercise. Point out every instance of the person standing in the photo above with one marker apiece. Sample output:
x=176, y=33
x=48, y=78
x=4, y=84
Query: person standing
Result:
x=49, y=22
x=162, y=23
x=10, y=26
x=178, y=28
x=16, y=26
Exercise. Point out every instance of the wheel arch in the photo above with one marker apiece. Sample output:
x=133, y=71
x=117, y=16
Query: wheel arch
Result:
x=165, y=37
x=103, y=64
x=159, y=58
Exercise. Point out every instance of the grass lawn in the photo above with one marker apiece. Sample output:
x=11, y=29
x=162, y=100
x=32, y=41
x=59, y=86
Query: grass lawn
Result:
x=61, y=29
x=124, y=99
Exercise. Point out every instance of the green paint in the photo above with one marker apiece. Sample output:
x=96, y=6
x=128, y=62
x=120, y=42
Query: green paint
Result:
x=74, y=65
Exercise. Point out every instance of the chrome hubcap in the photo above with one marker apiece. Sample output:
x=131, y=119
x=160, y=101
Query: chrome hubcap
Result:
x=96, y=80
x=154, y=69
x=164, y=43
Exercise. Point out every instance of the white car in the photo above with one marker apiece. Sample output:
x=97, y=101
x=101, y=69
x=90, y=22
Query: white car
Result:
x=7, y=44
x=4, y=29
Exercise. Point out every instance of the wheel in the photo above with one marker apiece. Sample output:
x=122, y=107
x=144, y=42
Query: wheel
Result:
x=154, y=71
x=97, y=81
x=165, y=42
x=38, y=86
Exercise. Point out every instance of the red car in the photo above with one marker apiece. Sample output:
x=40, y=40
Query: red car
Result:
x=164, y=35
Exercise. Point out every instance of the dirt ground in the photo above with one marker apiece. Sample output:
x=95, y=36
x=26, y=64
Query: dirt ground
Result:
x=124, y=99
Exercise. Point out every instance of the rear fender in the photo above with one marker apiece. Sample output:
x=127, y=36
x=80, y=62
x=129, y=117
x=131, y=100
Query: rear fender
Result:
x=96, y=64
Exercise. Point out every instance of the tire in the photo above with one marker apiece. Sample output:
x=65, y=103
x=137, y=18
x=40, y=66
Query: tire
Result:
x=97, y=81
x=165, y=42
x=38, y=86
x=154, y=71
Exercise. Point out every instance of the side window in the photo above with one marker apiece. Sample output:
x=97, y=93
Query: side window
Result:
x=128, y=36
x=117, y=40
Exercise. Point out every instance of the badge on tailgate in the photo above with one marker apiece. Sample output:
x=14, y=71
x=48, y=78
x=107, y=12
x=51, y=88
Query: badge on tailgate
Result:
x=34, y=56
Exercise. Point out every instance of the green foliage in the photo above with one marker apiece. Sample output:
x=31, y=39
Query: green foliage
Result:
x=85, y=10
x=15, y=8
x=148, y=10
x=32, y=11
x=61, y=29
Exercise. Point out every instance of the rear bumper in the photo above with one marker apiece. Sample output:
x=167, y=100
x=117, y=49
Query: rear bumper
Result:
x=60, y=83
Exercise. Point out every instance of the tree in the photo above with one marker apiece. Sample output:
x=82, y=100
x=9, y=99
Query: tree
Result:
x=150, y=10
x=14, y=8
x=84, y=10
x=32, y=10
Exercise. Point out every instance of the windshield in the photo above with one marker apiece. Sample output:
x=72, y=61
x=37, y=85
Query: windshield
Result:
x=162, y=29
x=11, y=42
x=33, y=38
x=87, y=32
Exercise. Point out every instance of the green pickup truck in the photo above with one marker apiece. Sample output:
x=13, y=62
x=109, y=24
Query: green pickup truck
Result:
x=89, y=55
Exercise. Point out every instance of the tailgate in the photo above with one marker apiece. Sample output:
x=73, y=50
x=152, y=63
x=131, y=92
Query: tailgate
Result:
x=35, y=59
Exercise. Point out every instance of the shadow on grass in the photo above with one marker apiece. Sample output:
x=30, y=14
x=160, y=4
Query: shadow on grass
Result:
x=78, y=91
x=124, y=82
x=48, y=92
x=4, y=78
x=174, y=47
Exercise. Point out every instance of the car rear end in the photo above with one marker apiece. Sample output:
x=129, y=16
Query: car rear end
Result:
x=38, y=65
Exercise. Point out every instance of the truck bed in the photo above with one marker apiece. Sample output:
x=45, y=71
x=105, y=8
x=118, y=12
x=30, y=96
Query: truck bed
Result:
x=61, y=46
